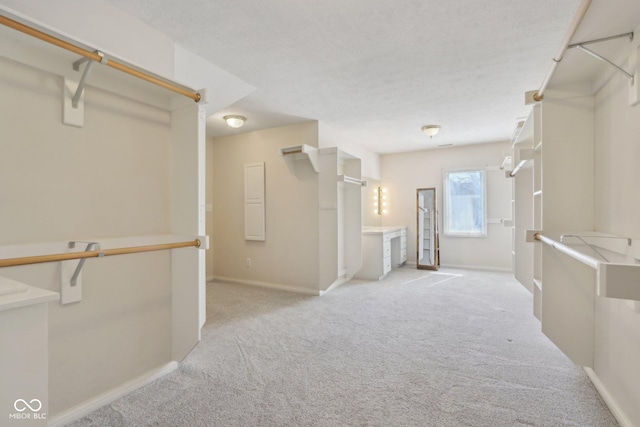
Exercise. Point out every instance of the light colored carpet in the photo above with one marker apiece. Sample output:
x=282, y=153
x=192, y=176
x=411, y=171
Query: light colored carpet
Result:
x=417, y=349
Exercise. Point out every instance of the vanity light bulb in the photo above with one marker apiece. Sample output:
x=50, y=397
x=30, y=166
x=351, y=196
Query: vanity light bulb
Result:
x=384, y=211
x=384, y=203
x=384, y=190
x=375, y=211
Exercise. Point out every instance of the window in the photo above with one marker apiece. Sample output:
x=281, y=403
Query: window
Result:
x=465, y=203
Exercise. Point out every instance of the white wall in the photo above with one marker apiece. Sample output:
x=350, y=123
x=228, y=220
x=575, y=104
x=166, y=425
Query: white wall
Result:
x=289, y=256
x=617, y=194
x=369, y=205
x=403, y=173
x=370, y=161
x=108, y=179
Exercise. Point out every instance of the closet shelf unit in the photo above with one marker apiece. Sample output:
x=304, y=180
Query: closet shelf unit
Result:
x=556, y=196
x=522, y=208
x=340, y=187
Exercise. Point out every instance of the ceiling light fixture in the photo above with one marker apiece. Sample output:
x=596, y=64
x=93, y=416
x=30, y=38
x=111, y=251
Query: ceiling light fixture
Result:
x=235, y=121
x=431, y=130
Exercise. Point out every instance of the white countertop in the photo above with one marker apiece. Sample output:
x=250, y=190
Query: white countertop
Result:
x=381, y=230
x=14, y=294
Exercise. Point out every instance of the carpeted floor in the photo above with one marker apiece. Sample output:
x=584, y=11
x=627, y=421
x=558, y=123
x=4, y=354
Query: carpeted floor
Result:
x=417, y=349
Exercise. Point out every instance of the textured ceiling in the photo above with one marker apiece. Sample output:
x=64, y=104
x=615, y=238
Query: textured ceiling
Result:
x=374, y=70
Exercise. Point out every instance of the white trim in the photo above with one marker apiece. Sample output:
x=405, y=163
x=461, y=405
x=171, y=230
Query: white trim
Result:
x=338, y=282
x=479, y=267
x=277, y=286
x=617, y=412
x=109, y=396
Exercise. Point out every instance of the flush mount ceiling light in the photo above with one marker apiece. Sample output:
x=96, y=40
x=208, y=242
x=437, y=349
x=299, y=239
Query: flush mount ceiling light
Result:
x=431, y=130
x=235, y=121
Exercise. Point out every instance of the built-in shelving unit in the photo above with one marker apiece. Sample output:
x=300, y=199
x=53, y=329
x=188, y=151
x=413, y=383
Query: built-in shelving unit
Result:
x=522, y=209
x=559, y=198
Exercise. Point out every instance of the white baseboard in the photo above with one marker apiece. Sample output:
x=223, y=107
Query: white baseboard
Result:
x=615, y=409
x=478, y=267
x=277, y=286
x=109, y=396
x=340, y=281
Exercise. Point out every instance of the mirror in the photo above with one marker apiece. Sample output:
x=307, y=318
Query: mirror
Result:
x=428, y=254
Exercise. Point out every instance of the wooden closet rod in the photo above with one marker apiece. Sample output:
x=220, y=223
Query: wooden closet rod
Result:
x=95, y=57
x=11, y=262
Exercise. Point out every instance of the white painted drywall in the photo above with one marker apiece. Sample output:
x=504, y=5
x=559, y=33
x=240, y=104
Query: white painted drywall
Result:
x=110, y=179
x=289, y=256
x=104, y=27
x=99, y=25
x=370, y=161
x=617, y=195
x=403, y=173
x=370, y=218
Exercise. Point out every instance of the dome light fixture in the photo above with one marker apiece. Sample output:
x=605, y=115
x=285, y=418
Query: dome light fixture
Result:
x=431, y=130
x=235, y=121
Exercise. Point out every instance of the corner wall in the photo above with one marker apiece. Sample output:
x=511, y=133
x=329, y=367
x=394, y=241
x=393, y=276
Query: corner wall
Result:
x=289, y=256
x=108, y=179
x=403, y=173
x=617, y=150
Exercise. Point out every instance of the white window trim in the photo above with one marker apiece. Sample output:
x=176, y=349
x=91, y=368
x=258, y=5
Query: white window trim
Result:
x=445, y=200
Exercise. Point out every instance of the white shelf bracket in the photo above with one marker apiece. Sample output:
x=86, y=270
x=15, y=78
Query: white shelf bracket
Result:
x=582, y=47
x=71, y=286
x=85, y=74
x=73, y=105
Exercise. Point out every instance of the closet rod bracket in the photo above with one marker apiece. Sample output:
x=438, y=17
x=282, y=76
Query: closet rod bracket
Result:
x=581, y=46
x=85, y=74
x=602, y=58
x=90, y=246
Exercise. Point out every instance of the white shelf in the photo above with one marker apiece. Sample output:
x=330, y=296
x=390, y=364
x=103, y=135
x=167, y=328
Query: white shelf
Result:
x=349, y=180
x=301, y=152
x=20, y=295
x=613, y=257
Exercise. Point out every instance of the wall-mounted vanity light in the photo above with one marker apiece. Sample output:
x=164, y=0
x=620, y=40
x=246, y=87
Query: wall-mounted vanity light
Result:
x=380, y=200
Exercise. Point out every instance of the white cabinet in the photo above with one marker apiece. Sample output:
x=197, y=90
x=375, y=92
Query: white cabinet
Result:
x=383, y=248
x=24, y=361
